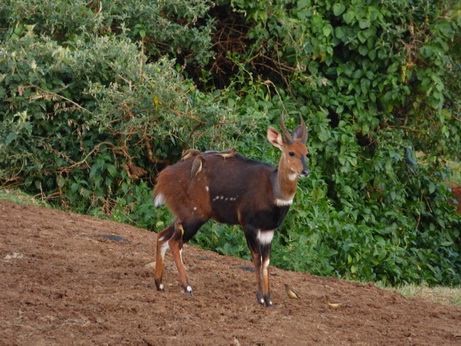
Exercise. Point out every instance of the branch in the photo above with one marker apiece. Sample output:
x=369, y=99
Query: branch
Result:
x=50, y=93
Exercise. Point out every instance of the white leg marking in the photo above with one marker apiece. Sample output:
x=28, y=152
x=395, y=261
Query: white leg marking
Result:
x=159, y=200
x=266, y=266
x=180, y=256
x=265, y=237
x=165, y=247
x=266, y=263
x=160, y=287
x=189, y=289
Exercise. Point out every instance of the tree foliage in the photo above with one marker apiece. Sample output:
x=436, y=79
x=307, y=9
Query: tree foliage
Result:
x=98, y=97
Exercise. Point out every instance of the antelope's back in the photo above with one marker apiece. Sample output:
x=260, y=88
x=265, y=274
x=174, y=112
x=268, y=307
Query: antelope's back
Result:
x=222, y=187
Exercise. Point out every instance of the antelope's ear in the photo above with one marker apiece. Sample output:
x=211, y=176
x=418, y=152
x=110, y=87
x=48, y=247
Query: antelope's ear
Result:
x=300, y=134
x=275, y=137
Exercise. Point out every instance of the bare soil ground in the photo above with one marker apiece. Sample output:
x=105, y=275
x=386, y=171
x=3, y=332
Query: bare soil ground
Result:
x=63, y=281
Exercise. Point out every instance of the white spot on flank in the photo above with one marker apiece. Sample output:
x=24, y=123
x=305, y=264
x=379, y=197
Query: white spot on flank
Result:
x=207, y=188
x=265, y=237
x=283, y=202
x=195, y=208
x=159, y=200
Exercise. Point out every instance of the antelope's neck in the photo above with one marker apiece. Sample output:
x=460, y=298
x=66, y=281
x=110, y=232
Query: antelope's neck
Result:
x=284, y=185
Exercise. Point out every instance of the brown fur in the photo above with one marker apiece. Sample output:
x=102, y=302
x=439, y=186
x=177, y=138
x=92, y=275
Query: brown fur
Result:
x=182, y=196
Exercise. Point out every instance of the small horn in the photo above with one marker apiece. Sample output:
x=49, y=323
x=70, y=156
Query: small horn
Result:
x=288, y=136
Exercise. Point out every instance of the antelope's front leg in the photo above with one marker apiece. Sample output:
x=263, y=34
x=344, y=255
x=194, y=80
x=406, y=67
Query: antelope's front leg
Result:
x=265, y=241
x=260, y=243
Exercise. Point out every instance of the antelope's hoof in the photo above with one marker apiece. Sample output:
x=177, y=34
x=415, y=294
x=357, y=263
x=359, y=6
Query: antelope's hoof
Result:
x=159, y=286
x=188, y=291
x=266, y=302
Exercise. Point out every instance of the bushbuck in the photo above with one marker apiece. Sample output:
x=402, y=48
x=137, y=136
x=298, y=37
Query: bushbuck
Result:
x=231, y=189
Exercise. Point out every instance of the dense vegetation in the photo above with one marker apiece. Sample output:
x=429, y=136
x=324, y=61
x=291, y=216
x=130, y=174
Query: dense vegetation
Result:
x=97, y=97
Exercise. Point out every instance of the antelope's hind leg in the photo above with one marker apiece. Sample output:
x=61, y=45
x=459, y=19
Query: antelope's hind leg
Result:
x=162, y=245
x=173, y=237
x=176, y=243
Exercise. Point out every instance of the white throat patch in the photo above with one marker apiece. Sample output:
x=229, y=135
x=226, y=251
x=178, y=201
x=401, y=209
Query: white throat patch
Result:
x=293, y=176
x=283, y=202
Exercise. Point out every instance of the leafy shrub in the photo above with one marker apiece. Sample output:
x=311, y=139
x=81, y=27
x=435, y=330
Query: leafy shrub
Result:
x=164, y=27
x=81, y=125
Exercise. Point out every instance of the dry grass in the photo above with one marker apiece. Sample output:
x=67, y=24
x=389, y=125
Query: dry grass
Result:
x=438, y=294
x=18, y=197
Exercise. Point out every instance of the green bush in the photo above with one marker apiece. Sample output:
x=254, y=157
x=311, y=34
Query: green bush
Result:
x=81, y=125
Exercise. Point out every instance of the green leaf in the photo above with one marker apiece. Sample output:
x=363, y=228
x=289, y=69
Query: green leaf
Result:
x=112, y=170
x=11, y=137
x=363, y=24
x=353, y=269
x=363, y=50
x=61, y=181
x=348, y=17
x=304, y=3
x=338, y=9
x=313, y=67
x=340, y=32
x=324, y=135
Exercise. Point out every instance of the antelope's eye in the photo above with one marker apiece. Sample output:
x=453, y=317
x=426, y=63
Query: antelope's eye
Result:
x=291, y=153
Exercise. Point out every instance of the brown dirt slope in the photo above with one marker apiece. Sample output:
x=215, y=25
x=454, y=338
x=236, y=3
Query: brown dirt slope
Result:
x=62, y=283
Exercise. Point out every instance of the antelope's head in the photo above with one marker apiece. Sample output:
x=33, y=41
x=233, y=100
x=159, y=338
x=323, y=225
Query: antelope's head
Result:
x=293, y=147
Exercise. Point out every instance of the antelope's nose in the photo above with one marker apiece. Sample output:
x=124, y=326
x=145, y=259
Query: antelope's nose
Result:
x=305, y=173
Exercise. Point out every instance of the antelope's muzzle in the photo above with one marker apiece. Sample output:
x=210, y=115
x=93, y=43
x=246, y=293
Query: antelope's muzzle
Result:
x=305, y=172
